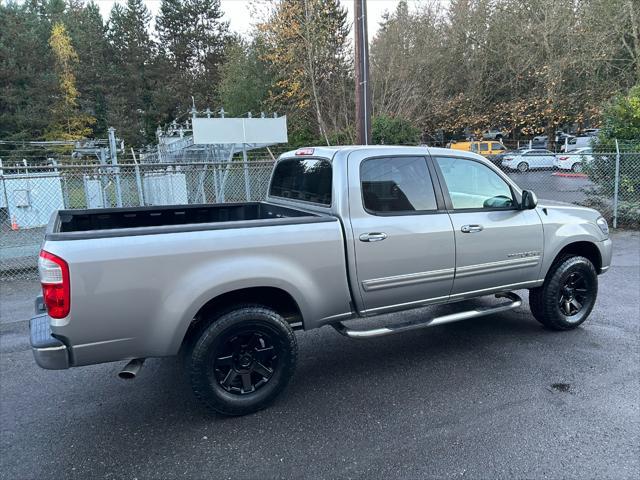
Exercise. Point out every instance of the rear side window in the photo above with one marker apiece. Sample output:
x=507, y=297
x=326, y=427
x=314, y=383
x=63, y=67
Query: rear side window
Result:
x=396, y=185
x=484, y=147
x=306, y=179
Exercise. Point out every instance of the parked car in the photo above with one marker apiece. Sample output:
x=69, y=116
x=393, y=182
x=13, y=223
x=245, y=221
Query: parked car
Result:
x=539, y=141
x=528, y=159
x=497, y=160
x=486, y=149
x=494, y=134
x=575, y=160
x=344, y=233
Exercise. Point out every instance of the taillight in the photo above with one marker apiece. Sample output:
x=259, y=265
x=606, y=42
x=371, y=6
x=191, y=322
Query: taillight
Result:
x=56, y=289
x=562, y=159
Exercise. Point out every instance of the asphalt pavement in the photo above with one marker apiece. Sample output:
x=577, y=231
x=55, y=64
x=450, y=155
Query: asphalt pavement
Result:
x=495, y=397
x=553, y=185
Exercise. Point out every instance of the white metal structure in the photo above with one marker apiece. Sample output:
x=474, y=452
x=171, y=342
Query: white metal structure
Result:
x=31, y=198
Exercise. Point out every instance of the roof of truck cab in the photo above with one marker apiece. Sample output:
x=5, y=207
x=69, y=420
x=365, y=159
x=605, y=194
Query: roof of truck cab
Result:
x=330, y=151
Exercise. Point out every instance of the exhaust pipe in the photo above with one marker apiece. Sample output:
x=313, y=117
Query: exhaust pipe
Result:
x=131, y=369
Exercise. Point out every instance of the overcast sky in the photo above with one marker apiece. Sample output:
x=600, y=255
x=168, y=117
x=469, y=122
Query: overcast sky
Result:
x=237, y=12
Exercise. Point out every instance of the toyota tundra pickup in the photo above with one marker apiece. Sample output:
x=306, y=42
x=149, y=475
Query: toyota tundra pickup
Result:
x=344, y=233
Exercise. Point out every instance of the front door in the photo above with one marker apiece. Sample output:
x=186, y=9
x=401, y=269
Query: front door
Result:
x=497, y=244
x=404, y=245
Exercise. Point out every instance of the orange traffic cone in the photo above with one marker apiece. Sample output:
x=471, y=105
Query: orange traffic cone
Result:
x=14, y=223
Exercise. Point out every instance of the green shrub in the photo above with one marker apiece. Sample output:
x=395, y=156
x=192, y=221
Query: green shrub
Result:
x=386, y=130
x=621, y=123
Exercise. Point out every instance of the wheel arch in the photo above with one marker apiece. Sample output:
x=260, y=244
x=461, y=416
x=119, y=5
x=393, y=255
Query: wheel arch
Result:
x=583, y=248
x=275, y=298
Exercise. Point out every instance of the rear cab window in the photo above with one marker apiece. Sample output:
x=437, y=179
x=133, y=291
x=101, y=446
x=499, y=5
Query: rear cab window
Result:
x=303, y=179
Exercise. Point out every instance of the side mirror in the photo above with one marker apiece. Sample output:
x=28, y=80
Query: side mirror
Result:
x=529, y=200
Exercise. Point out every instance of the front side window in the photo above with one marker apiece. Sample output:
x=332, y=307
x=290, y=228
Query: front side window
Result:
x=396, y=185
x=307, y=179
x=497, y=146
x=474, y=185
x=484, y=147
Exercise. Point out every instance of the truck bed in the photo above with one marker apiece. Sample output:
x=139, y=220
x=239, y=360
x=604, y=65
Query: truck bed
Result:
x=97, y=223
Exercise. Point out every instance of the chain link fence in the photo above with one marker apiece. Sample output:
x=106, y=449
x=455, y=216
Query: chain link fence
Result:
x=29, y=195
x=31, y=192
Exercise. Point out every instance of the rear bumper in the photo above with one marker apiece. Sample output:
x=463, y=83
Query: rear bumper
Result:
x=49, y=352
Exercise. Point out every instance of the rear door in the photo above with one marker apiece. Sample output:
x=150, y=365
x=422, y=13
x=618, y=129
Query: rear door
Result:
x=404, y=243
x=540, y=159
x=497, y=244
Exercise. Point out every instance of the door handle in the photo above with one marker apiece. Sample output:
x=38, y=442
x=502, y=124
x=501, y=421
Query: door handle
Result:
x=373, y=237
x=471, y=228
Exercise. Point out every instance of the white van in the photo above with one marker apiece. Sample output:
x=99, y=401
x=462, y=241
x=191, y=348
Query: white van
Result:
x=579, y=142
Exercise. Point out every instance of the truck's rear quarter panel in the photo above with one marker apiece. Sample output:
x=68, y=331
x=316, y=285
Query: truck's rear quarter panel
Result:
x=135, y=296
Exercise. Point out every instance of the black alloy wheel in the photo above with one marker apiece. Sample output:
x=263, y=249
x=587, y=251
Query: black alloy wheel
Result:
x=247, y=362
x=573, y=294
x=568, y=294
x=242, y=359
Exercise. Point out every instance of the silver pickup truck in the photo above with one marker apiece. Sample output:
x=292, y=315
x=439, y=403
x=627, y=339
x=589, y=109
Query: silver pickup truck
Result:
x=344, y=233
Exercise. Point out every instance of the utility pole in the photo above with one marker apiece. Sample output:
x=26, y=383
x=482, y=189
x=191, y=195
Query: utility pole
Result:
x=363, y=98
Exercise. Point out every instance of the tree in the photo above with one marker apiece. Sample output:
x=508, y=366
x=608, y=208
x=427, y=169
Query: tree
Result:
x=89, y=36
x=131, y=73
x=26, y=73
x=67, y=121
x=529, y=67
x=307, y=46
x=193, y=38
x=245, y=79
x=622, y=125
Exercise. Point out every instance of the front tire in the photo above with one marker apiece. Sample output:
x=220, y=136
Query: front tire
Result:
x=568, y=294
x=243, y=360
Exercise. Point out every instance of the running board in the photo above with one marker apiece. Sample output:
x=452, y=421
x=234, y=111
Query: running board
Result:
x=515, y=302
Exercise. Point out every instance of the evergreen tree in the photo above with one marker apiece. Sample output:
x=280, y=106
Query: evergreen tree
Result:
x=245, y=79
x=192, y=39
x=26, y=71
x=88, y=33
x=131, y=72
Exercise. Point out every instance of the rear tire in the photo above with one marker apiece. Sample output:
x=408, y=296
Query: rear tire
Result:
x=523, y=167
x=577, y=167
x=243, y=360
x=568, y=294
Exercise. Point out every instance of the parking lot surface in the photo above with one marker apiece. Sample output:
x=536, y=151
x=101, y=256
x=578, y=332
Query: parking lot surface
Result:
x=548, y=185
x=495, y=397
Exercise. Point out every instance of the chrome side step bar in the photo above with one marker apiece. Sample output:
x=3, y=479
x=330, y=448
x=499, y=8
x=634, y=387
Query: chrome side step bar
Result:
x=514, y=302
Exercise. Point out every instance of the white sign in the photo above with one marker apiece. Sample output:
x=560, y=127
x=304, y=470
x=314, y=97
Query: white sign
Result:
x=216, y=131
